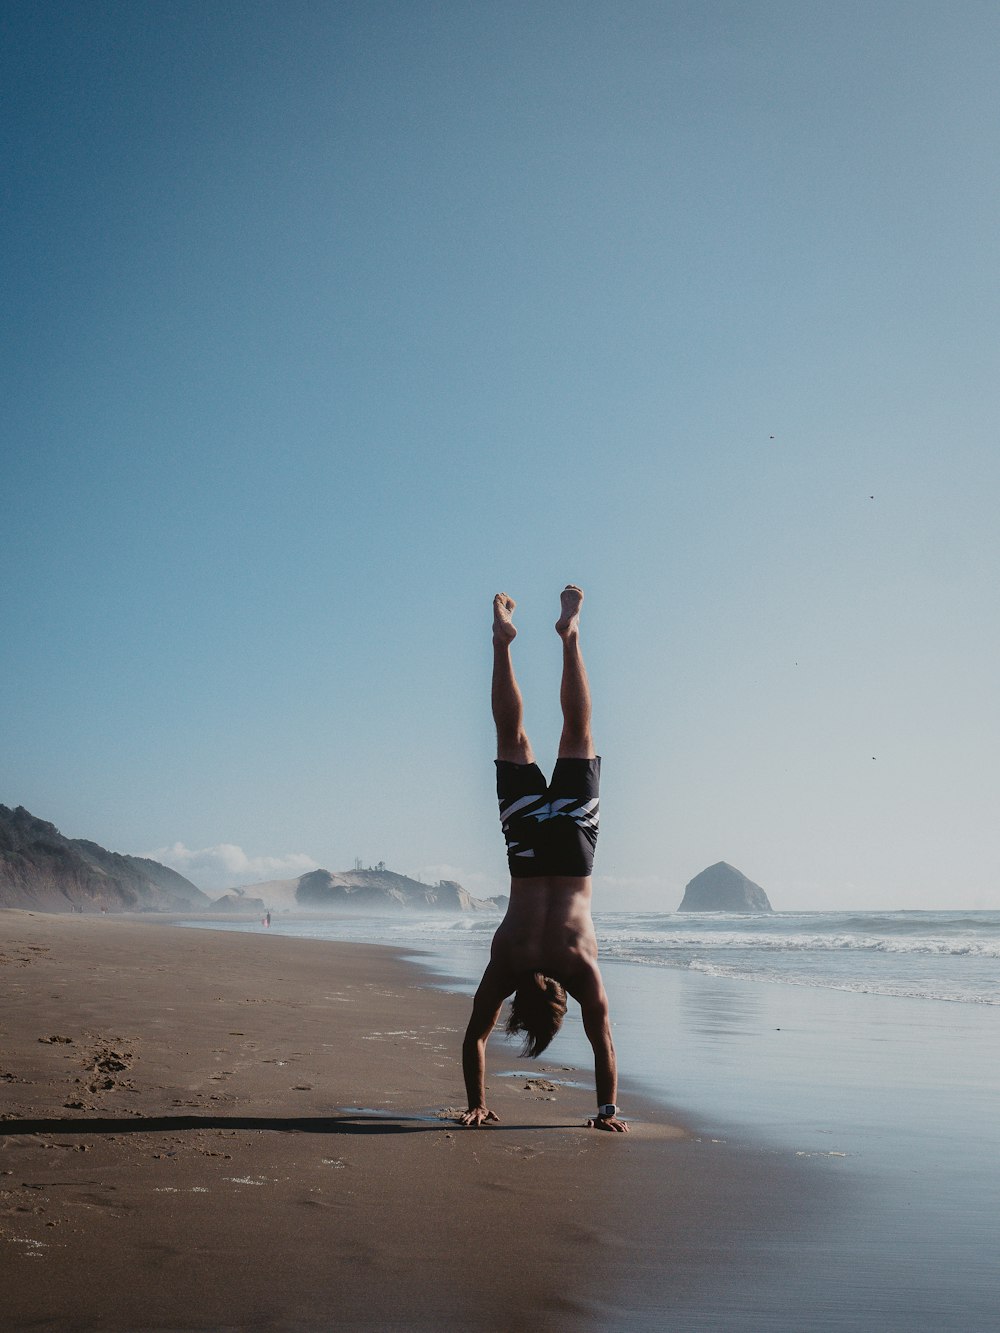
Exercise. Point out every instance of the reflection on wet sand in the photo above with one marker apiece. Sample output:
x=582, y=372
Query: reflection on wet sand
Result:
x=719, y=1011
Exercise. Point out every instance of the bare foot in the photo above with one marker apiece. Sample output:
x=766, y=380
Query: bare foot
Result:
x=571, y=599
x=503, y=626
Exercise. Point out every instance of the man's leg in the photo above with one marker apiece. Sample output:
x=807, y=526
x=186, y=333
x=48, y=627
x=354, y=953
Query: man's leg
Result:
x=576, y=741
x=508, y=706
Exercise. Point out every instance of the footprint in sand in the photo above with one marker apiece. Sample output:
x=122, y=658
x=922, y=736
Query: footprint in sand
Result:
x=540, y=1085
x=104, y=1062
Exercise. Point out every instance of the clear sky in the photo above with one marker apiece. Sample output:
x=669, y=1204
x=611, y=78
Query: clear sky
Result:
x=325, y=321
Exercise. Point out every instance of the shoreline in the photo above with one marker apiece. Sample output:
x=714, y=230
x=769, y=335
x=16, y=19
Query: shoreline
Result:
x=895, y=1095
x=273, y=1150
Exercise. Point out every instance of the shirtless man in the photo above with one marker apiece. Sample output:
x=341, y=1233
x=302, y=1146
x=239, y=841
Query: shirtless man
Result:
x=545, y=946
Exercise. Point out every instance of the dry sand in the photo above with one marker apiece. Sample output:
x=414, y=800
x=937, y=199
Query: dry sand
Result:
x=181, y=1148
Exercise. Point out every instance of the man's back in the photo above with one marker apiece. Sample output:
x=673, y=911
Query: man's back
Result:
x=548, y=928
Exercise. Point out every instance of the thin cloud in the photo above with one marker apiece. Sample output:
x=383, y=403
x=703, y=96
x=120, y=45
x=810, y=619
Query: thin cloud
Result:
x=227, y=866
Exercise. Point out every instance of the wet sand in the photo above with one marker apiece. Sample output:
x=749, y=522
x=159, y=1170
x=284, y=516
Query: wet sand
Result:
x=214, y=1130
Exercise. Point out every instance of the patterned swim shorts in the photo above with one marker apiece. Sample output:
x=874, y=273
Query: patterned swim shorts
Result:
x=550, y=828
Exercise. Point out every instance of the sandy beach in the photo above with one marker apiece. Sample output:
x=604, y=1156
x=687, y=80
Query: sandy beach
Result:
x=211, y=1130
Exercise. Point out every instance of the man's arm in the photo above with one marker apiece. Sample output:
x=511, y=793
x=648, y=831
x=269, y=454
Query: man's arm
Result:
x=485, y=1012
x=588, y=991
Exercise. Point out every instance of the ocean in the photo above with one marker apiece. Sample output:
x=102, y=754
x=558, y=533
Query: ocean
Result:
x=946, y=956
x=865, y=1044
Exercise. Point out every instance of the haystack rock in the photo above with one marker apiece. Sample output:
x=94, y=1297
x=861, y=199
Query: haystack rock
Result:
x=723, y=888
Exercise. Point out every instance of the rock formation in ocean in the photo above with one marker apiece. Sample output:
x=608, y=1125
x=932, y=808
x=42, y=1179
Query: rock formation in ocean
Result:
x=723, y=888
x=43, y=871
x=238, y=901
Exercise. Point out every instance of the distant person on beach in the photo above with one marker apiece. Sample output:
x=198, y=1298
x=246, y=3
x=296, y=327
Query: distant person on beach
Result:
x=545, y=946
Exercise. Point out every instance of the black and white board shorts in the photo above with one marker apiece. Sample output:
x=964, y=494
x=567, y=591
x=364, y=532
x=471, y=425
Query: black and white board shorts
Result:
x=550, y=828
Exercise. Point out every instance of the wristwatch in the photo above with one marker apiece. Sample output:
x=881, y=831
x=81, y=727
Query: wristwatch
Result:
x=607, y=1112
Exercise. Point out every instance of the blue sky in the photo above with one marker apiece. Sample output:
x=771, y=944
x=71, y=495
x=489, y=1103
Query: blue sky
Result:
x=327, y=321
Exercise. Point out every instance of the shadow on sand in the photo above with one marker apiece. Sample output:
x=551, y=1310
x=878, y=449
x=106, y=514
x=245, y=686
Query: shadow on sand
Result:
x=351, y=1123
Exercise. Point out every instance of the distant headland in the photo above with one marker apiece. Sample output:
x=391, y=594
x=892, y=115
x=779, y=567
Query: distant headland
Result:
x=364, y=891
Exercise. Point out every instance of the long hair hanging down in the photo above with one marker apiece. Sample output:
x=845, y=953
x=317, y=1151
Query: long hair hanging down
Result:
x=537, y=1010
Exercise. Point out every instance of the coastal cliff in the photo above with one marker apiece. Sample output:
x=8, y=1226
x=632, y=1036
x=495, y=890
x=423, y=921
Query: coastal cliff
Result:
x=41, y=869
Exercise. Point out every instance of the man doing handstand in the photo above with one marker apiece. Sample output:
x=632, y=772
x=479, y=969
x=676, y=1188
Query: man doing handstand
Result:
x=545, y=946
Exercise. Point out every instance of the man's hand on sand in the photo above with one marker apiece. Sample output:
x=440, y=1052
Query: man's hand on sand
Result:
x=612, y=1123
x=478, y=1115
